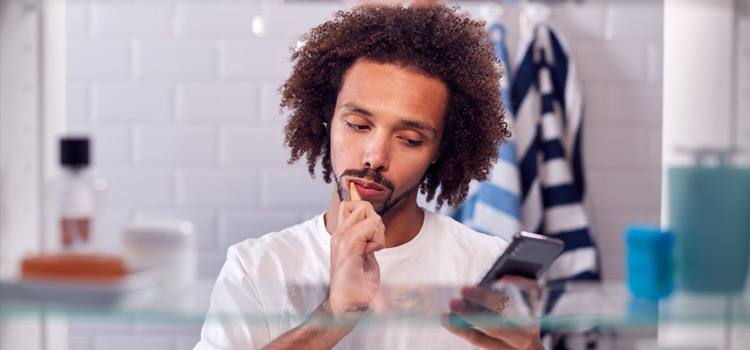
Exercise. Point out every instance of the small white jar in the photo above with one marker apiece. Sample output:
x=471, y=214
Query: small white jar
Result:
x=167, y=245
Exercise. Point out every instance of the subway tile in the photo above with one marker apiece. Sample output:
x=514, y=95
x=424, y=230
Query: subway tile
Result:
x=78, y=342
x=596, y=106
x=98, y=59
x=292, y=188
x=145, y=326
x=654, y=147
x=95, y=324
x=130, y=101
x=188, y=341
x=175, y=145
x=212, y=19
x=129, y=342
x=138, y=187
x=175, y=59
x=305, y=215
x=656, y=62
x=634, y=190
x=256, y=59
x=110, y=145
x=616, y=148
x=509, y=18
x=270, y=100
x=637, y=21
x=226, y=188
x=203, y=221
x=115, y=220
x=236, y=227
x=635, y=106
x=217, y=101
x=579, y=22
x=288, y=21
x=77, y=16
x=253, y=145
x=613, y=268
x=610, y=229
x=77, y=100
x=128, y=19
x=611, y=63
x=210, y=263
x=597, y=182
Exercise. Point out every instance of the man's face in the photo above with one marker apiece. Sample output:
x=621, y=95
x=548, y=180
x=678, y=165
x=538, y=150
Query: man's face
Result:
x=385, y=132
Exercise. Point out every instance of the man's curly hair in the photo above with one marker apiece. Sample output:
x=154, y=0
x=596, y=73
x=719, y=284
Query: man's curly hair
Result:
x=433, y=40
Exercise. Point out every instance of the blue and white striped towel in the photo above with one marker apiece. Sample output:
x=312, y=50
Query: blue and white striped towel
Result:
x=549, y=112
x=493, y=206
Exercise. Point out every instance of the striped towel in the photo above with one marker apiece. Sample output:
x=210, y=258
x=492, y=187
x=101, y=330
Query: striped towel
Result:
x=493, y=206
x=549, y=111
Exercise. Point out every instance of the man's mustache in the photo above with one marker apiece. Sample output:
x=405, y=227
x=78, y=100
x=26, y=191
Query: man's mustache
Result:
x=371, y=175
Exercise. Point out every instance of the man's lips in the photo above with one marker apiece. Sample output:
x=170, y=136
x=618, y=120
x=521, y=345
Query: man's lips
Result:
x=367, y=188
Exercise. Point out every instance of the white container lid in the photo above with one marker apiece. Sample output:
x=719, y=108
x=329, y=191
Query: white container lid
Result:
x=158, y=231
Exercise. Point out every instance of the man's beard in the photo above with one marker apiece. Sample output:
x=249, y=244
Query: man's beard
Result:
x=378, y=178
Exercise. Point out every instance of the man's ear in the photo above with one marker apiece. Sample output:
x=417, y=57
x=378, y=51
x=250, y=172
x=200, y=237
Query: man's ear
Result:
x=436, y=158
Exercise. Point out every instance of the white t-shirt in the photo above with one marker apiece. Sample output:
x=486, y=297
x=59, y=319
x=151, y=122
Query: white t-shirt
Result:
x=268, y=285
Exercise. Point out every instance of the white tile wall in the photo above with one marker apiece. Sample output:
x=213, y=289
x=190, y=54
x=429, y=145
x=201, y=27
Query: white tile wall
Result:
x=135, y=188
x=175, y=145
x=131, y=102
x=181, y=99
x=239, y=226
x=126, y=342
x=104, y=59
x=253, y=145
x=111, y=145
x=636, y=21
x=612, y=62
x=77, y=102
x=293, y=188
x=174, y=59
x=211, y=20
x=217, y=188
x=217, y=101
x=128, y=19
x=255, y=59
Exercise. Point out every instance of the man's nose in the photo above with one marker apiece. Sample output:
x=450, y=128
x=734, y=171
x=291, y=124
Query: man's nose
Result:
x=377, y=154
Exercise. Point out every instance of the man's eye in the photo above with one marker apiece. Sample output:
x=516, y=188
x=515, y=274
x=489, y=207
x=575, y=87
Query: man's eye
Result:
x=356, y=126
x=411, y=142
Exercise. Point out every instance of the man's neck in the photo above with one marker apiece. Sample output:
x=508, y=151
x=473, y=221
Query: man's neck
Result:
x=402, y=223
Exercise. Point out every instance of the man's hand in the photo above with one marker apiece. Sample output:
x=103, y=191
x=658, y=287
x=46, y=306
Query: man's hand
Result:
x=489, y=305
x=355, y=274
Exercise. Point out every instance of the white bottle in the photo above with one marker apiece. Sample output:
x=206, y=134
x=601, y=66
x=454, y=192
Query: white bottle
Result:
x=80, y=198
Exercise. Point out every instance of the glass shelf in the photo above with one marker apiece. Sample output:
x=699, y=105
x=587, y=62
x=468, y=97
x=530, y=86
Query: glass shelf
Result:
x=583, y=306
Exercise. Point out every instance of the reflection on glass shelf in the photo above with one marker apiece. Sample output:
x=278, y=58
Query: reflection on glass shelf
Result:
x=583, y=306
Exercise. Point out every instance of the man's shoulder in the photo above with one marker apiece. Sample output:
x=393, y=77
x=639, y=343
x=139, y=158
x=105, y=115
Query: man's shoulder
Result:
x=459, y=231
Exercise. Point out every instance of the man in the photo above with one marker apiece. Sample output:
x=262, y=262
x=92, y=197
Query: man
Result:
x=389, y=100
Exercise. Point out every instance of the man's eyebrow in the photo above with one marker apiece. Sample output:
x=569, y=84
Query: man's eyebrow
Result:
x=357, y=109
x=421, y=126
x=406, y=122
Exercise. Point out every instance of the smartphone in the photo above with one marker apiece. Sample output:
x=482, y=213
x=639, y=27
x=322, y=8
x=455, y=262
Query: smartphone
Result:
x=528, y=255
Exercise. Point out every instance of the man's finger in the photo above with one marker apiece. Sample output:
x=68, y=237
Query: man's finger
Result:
x=475, y=337
x=490, y=299
x=349, y=208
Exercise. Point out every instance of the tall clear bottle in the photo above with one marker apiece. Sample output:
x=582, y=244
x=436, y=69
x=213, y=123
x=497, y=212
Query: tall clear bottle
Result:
x=80, y=198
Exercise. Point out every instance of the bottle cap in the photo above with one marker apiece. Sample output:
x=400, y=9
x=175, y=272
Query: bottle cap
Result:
x=74, y=151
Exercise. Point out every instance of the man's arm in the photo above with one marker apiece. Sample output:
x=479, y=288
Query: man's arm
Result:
x=321, y=331
x=355, y=279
